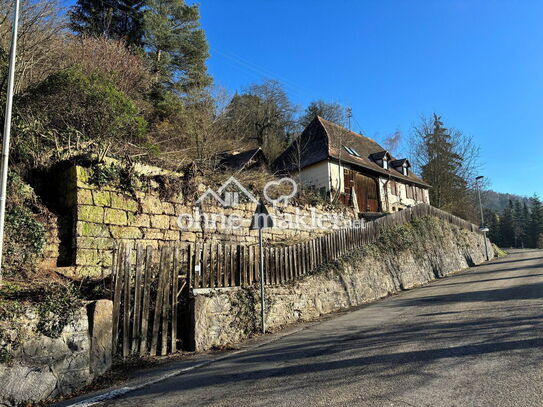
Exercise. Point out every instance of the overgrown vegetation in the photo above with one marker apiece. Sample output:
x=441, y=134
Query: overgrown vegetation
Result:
x=58, y=309
x=25, y=234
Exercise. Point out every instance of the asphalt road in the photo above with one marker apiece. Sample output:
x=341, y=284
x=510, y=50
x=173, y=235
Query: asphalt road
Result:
x=473, y=339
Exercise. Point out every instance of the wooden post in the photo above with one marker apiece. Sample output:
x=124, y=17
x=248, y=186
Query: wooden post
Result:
x=175, y=282
x=169, y=270
x=136, y=327
x=118, y=274
x=146, y=299
x=159, y=300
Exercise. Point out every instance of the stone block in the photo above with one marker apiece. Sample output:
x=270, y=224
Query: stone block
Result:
x=160, y=221
x=139, y=220
x=168, y=208
x=125, y=232
x=120, y=201
x=92, y=229
x=101, y=243
x=115, y=217
x=153, y=234
x=90, y=213
x=88, y=257
x=100, y=313
x=101, y=198
x=171, y=235
x=82, y=178
x=152, y=204
x=84, y=197
x=188, y=237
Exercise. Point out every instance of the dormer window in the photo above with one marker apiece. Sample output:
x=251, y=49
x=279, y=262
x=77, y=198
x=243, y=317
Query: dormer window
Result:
x=402, y=166
x=381, y=158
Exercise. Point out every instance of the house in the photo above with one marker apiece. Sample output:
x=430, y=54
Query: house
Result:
x=335, y=160
x=243, y=160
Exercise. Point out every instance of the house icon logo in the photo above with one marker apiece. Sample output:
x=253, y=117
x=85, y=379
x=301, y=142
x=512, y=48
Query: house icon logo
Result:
x=228, y=195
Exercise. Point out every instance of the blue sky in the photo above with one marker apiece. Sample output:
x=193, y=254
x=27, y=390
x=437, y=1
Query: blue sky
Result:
x=479, y=64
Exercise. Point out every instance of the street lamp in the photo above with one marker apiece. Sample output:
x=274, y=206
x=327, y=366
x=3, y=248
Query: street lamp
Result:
x=483, y=228
x=7, y=129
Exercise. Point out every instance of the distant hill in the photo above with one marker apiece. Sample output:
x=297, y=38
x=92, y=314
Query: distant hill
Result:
x=498, y=200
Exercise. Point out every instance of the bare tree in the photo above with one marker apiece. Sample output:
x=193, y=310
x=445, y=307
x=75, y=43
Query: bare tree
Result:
x=40, y=27
x=392, y=142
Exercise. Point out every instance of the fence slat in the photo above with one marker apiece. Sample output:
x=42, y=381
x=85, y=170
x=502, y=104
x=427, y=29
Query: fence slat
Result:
x=126, y=300
x=166, y=301
x=197, y=266
x=136, y=329
x=177, y=259
x=146, y=299
x=158, y=303
x=212, y=265
x=118, y=275
x=204, y=267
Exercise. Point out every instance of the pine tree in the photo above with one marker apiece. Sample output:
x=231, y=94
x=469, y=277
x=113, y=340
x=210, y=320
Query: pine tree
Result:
x=114, y=19
x=333, y=112
x=507, y=226
x=442, y=169
x=535, y=231
x=176, y=45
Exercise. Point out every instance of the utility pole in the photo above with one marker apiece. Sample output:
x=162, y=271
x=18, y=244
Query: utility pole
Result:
x=349, y=115
x=261, y=220
x=7, y=130
x=483, y=227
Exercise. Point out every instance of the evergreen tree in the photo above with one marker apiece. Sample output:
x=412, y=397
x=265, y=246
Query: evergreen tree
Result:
x=442, y=170
x=492, y=221
x=535, y=230
x=333, y=112
x=114, y=19
x=518, y=232
x=176, y=45
x=507, y=226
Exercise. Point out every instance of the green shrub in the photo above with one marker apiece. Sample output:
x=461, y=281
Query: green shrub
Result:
x=70, y=111
x=57, y=310
x=25, y=235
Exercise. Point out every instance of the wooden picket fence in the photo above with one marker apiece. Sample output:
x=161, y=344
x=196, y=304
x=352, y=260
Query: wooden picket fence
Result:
x=147, y=292
x=146, y=300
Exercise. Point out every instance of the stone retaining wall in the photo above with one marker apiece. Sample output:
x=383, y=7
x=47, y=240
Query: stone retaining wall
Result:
x=42, y=368
x=105, y=215
x=225, y=316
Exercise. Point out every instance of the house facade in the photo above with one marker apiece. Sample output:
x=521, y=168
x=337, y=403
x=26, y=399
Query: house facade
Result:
x=355, y=168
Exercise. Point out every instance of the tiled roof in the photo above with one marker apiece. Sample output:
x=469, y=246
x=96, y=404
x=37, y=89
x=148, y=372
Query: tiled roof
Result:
x=243, y=160
x=323, y=139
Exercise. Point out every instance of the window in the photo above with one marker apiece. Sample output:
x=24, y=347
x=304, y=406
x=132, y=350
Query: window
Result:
x=385, y=164
x=404, y=171
x=352, y=151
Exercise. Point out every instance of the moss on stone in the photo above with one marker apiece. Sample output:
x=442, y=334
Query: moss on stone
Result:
x=84, y=197
x=160, y=221
x=90, y=213
x=125, y=232
x=102, y=243
x=120, y=201
x=92, y=229
x=101, y=198
x=115, y=217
